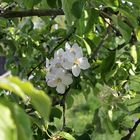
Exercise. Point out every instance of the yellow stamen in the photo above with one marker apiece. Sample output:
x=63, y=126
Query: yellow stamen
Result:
x=77, y=61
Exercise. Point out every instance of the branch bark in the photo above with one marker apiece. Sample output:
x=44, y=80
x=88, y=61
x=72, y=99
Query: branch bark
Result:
x=20, y=14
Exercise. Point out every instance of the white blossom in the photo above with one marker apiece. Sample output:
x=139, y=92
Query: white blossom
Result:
x=75, y=59
x=60, y=79
x=64, y=63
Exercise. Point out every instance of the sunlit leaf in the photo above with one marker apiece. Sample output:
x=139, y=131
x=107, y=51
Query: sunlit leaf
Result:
x=21, y=121
x=38, y=98
x=66, y=135
x=133, y=53
x=8, y=129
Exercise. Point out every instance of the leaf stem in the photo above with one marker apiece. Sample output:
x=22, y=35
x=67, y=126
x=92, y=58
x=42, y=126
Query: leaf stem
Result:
x=131, y=130
x=63, y=104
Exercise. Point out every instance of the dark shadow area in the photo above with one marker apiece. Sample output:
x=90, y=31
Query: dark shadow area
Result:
x=2, y=63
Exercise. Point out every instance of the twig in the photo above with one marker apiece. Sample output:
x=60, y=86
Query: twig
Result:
x=20, y=14
x=104, y=16
x=29, y=73
x=131, y=131
x=63, y=104
x=94, y=54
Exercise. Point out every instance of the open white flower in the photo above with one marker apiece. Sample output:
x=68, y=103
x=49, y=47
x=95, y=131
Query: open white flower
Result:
x=74, y=59
x=60, y=79
x=57, y=68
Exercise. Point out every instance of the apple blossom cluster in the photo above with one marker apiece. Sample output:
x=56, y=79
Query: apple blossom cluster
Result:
x=64, y=65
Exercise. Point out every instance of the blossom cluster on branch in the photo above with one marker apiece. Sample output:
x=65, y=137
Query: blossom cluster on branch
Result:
x=65, y=64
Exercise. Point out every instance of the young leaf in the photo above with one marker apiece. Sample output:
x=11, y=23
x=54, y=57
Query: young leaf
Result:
x=38, y=98
x=108, y=63
x=67, y=6
x=77, y=8
x=6, y=84
x=123, y=28
x=21, y=121
x=66, y=135
x=8, y=129
x=133, y=53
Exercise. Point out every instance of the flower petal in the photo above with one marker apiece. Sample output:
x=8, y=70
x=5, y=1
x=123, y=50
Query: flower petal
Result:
x=84, y=64
x=47, y=62
x=69, y=56
x=78, y=50
x=67, y=80
x=51, y=83
x=76, y=70
x=67, y=46
x=60, y=73
x=67, y=65
x=59, y=53
x=60, y=88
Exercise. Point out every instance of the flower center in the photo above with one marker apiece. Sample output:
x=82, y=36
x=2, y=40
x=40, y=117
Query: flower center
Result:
x=77, y=61
x=71, y=50
x=58, y=65
x=58, y=80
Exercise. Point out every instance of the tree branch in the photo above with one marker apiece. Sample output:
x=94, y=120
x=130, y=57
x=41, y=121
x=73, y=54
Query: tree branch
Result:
x=131, y=131
x=20, y=14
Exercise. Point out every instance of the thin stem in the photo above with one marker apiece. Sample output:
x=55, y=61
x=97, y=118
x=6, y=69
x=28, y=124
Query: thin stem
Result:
x=95, y=52
x=131, y=131
x=64, y=115
x=63, y=104
x=29, y=73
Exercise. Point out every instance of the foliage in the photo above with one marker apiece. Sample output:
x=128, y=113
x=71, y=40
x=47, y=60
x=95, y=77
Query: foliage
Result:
x=103, y=102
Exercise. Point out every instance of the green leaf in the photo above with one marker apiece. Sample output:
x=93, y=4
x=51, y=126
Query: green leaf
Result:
x=56, y=112
x=134, y=83
x=87, y=46
x=133, y=53
x=123, y=28
x=67, y=6
x=52, y=4
x=77, y=8
x=84, y=136
x=8, y=129
x=66, y=135
x=8, y=85
x=21, y=121
x=3, y=22
x=28, y=3
x=69, y=101
x=132, y=18
x=91, y=19
x=39, y=100
x=138, y=33
x=37, y=2
x=108, y=63
x=8, y=1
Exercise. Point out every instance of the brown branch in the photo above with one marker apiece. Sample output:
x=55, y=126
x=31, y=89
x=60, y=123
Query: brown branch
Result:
x=20, y=14
x=131, y=131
